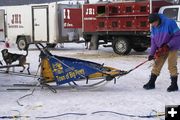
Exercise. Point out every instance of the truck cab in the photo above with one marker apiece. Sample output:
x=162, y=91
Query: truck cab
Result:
x=172, y=12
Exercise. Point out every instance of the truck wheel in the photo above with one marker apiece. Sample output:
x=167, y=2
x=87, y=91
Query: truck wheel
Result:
x=121, y=46
x=51, y=45
x=140, y=49
x=22, y=43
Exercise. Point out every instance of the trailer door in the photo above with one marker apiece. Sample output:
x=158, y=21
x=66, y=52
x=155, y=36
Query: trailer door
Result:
x=2, y=26
x=40, y=23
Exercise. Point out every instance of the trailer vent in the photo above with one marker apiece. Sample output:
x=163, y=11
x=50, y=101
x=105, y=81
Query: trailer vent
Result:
x=114, y=10
x=101, y=24
x=128, y=9
x=114, y=24
x=143, y=9
x=101, y=10
x=128, y=24
x=143, y=24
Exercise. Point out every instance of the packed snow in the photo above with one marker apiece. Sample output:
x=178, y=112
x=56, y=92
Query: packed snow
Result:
x=126, y=97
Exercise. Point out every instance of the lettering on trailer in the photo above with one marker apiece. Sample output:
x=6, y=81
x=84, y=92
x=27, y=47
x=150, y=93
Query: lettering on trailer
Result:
x=16, y=21
x=68, y=25
x=90, y=18
x=72, y=18
x=67, y=16
x=89, y=12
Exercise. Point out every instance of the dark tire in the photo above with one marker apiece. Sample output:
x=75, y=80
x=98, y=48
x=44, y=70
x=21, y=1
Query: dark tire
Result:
x=140, y=49
x=121, y=46
x=22, y=43
x=51, y=45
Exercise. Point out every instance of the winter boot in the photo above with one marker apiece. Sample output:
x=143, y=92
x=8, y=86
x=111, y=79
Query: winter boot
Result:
x=151, y=83
x=173, y=86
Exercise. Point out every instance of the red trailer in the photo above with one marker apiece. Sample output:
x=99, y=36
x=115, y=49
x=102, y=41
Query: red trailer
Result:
x=122, y=24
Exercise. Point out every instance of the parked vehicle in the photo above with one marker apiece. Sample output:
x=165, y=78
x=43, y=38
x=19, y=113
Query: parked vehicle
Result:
x=43, y=23
x=120, y=25
x=125, y=25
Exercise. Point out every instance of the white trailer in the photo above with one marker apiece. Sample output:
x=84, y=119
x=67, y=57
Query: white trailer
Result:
x=28, y=24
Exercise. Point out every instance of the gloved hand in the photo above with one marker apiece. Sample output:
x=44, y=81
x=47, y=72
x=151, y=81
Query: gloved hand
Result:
x=162, y=51
x=150, y=57
x=164, y=48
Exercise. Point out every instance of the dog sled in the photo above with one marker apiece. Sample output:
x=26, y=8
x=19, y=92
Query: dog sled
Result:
x=76, y=72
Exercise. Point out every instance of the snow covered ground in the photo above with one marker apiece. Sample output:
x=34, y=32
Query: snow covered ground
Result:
x=126, y=96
